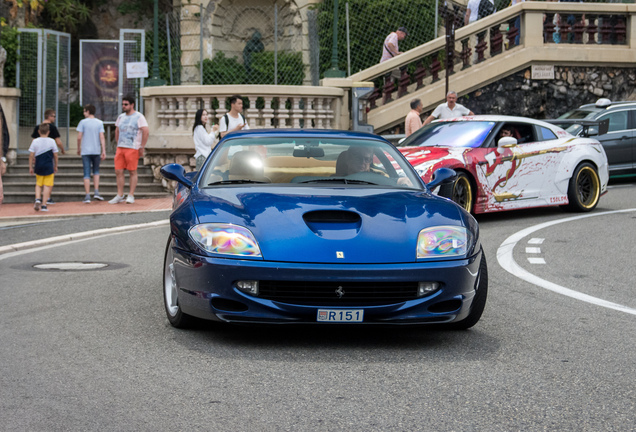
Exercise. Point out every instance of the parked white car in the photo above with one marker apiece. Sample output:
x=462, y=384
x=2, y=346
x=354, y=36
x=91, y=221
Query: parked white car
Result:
x=507, y=163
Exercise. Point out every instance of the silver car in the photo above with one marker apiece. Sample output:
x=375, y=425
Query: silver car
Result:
x=620, y=140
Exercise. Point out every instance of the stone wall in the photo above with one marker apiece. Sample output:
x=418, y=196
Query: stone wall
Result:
x=156, y=160
x=520, y=95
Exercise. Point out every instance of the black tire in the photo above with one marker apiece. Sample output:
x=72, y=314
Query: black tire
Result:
x=584, y=189
x=460, y=191
x=479, y=301
x=171, y=293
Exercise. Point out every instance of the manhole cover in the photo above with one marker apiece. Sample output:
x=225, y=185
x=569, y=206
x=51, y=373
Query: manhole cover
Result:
x=71, y=266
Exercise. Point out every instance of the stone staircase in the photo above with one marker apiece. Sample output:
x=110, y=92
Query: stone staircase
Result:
x=19, y=185
x=488, y=51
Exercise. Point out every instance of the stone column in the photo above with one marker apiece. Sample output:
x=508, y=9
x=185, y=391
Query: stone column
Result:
x=191, y=40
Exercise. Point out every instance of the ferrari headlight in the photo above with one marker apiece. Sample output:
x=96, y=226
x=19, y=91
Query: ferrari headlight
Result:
x=225, y=239
x=442, y=242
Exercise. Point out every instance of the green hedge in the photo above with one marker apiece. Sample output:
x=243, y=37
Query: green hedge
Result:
x=222, y=70
x=9, y=41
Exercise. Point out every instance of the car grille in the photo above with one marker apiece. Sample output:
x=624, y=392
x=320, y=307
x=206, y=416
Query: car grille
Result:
x=337, y=293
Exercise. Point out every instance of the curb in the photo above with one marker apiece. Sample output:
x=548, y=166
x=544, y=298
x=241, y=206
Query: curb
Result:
x=78, y=236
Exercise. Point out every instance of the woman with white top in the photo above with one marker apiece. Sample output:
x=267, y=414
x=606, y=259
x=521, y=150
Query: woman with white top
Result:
x=204, y=142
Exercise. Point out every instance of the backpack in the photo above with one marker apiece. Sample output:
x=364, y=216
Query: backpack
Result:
x=485, y=8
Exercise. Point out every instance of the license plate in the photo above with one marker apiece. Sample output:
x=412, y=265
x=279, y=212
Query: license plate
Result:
x=340, y=315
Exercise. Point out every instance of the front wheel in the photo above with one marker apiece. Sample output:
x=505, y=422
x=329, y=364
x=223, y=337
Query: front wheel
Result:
x=479, y=301
x=584, y=189
x=460, y=191
x=176, y=317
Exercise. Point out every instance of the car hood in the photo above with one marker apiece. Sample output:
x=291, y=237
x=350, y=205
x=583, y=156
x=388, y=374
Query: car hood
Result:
x=427, y=159
x=419, y=155
x=328, y=225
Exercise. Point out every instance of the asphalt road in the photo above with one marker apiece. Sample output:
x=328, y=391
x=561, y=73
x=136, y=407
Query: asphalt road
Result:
x=22, y=231
x=92, y=350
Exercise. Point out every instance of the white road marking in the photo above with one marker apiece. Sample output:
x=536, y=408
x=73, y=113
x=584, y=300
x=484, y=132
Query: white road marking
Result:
x=536, y=241
x=536, y=260
x=71, y=266
x=36, y=245
x=506, y=260
x=533, y=250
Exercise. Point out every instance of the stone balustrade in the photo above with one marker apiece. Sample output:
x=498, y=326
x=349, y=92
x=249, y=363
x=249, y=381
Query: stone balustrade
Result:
x=170, y=112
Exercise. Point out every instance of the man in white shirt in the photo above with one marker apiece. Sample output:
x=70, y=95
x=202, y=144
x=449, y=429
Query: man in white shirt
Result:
x=233, y=120
x=473, y=12
x=476, y=10
x=131, y=134
x=450, y=109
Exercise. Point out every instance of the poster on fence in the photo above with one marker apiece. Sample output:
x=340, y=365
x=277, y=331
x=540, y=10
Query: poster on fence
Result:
x=100, y=78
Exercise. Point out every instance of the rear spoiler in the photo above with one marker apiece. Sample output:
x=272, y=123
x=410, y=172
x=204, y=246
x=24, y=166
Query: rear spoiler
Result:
x=601, y=126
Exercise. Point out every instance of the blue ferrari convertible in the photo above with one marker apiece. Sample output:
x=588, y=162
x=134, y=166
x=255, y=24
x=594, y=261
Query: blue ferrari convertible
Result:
x=309, y=226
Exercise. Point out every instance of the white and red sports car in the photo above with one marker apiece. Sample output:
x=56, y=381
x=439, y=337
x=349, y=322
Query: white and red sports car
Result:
x=508, y=163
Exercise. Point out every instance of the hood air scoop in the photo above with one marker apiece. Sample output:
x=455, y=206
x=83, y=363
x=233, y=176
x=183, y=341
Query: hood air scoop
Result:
x=333, y=224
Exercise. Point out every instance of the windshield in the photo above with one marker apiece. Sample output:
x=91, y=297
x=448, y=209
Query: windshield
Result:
x=578, y=114
x=451, y=134
x=323, y=161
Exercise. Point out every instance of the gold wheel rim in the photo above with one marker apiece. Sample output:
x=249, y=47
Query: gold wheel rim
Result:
x=587, y=187
x=462, y=193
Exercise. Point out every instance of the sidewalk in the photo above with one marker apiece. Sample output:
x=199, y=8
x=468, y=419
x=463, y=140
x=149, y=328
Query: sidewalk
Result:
x=25, y=211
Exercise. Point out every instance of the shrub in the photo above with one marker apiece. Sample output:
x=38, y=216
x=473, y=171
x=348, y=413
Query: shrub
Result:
x=291, y=70
x=9, y=41
x=76, y=114
x=223, y=70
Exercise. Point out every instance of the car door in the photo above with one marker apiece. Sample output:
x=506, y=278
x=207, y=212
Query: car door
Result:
x=618, y=142
x=516, y=176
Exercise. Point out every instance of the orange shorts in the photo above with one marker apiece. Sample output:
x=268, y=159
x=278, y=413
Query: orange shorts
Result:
x=126, y=158
x=44, y=180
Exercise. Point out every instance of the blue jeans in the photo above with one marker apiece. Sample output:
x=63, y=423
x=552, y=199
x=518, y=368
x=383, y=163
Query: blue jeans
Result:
x=89, y=161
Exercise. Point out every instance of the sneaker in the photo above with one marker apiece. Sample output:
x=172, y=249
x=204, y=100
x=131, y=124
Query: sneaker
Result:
x=98, y=197
x=117, y=200
x=130, y=199
x=38, y=204
x=87, y=199
x=50, y=201
x=44, y=208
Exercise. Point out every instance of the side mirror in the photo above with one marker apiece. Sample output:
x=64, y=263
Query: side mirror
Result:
x=176, y=172
x=442, y=176
x=507, y=142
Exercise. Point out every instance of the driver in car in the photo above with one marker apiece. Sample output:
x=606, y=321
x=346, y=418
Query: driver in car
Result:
x=506, y=131
x=359, y=159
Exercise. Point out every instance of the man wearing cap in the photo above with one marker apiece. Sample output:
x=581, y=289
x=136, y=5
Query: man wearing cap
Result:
x=390, y=48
